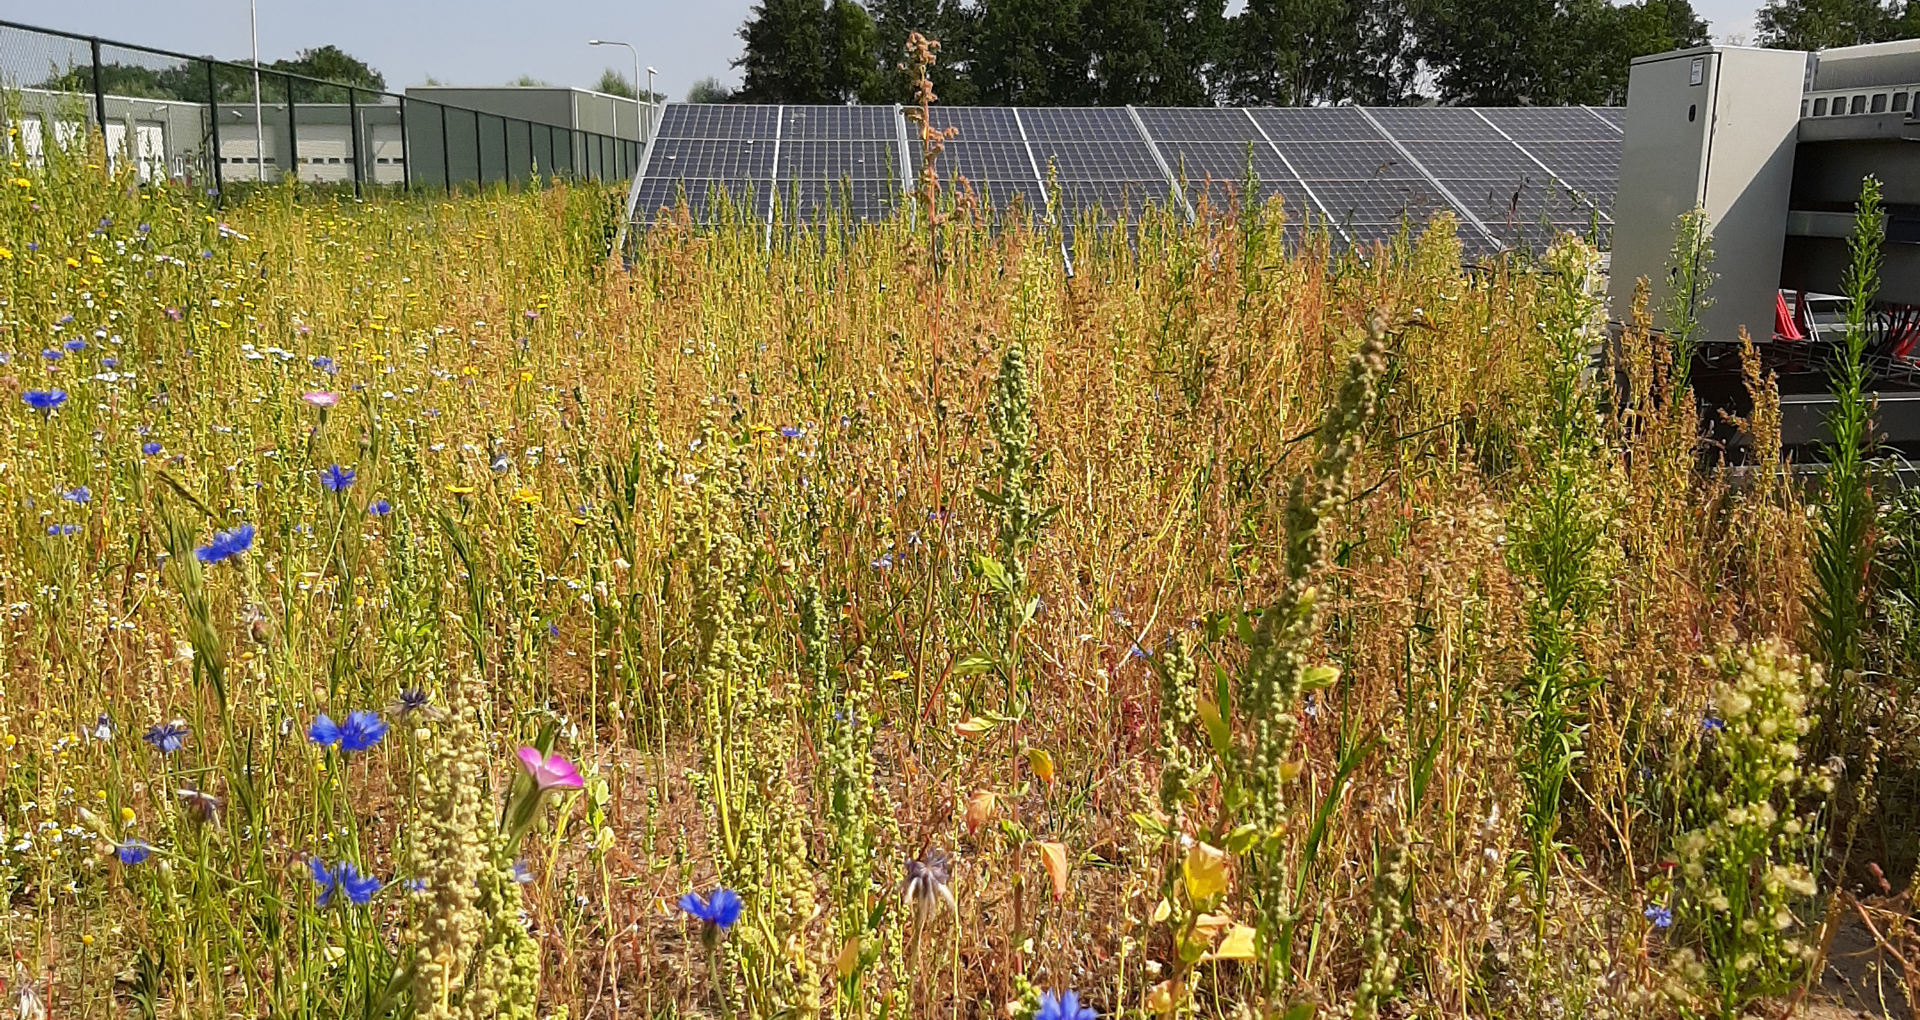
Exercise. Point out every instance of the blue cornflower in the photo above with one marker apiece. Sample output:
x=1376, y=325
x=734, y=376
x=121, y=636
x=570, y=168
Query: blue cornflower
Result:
x=1062, y=1006
x=166, y=737
x=380, y=508
x=344, y=878
x=792, y=431
x=720, y=910
x=521, y=873
x=1712, y=724
x=1659, y=915
x=325, y=364
x=109, y=362
x=78, y=494
x=102, y=729
x=133, y=852
x=151, y=449
x=76, y=345
x=885, y=562
x=324, y=730
x=415, y=886
x=53, y=354
x=226, y=544
x=62, y=530
x=336, y=478
x=361, y=731
x=44, y=401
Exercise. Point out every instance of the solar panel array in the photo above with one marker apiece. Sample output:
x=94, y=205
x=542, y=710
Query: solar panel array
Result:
x=1513, y=176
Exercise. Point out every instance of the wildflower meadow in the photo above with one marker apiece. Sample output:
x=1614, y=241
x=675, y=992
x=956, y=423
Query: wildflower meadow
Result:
x=416, y=607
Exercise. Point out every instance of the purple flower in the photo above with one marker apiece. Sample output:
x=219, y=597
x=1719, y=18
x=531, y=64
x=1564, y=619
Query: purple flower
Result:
x=53, y=354
x=343, y=878
x=336, y=478
x=133, y=851
x=1062, y=1006
x=1659, y=915
x=226, y=544
x=324, y=731
x=76, y=346
x=173, y=314
x=62, y=530
x=550, y=772
x=380, y=508
x=44, y=401
x=78, y=494
x=720, y=910
x=151, y=449
x=792, y=431
x=166, y=737
x=1712, y=724
x=325, y=364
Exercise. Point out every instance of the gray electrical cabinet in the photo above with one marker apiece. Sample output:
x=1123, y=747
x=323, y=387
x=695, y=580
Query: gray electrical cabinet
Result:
x=1714, y=128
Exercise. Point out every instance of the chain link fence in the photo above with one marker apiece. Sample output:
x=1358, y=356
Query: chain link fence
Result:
x=212, y=123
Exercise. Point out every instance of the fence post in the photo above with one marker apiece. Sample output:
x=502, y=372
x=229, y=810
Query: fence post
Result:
x=446, y=152
x=479, y=152
x=293, y=133
x=213, y=119
x=100, y=101
x=353, y=137
x=406, y=151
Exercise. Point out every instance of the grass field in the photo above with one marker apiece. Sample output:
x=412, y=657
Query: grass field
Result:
x=1230, y=628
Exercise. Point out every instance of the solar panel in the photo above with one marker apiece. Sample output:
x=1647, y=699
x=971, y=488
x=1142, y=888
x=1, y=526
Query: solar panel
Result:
x=1080, y=124
x=815, y=201
x=1433, y=124
x=1586, y=163
x=1098, y=160
x=1308, y=124
x=975, y=123
x=707, y=201
x=1496, y=158
x=1166, y=125
x=694, y=120
x=1549, y=123
x=839, y=123
x=1357, y=161
x=1379, y=202
x=715, y=159
x=831, y=161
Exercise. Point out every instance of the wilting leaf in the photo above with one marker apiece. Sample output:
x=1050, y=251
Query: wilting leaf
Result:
x=1041, y=763
x=980, y=810
x=1238, y=945
x=973, y=727
x=1164, y=996
x=1318, y=677
x=972, y=665
x=849, y=957
x=1162, y=912
x=1205, y=872
x=1054, y=856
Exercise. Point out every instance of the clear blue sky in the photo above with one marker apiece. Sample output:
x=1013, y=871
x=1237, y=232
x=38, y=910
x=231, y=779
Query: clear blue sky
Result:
x=459, y=42
x=484, y=42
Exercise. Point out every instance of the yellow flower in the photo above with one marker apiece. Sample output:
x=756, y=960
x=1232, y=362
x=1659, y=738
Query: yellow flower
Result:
x=22, y=182
x=460, y=490
x=6, y=253
x=126, y=816
x=72, y=262
x=86, y=940
x=527, y=497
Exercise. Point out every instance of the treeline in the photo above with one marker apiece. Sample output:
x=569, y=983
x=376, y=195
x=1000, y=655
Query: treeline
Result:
x=1192, y=53
x=188, y=81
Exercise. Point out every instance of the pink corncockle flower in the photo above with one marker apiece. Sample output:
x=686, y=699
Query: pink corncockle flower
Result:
x=552, y=772
x=321, y=398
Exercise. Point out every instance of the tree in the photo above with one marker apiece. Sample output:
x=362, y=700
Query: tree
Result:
x=785, y=60
x=1030, y=53
x=1546, y=52
x=1298, y=52
x=331, y=63
x=853, y=70
x=1154, y=52
x=709, y=90
x=947, y=21
x=1819, y=24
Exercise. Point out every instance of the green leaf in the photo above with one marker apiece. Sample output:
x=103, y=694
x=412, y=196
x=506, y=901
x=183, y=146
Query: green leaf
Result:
x=972, y=665
x=1216, y=728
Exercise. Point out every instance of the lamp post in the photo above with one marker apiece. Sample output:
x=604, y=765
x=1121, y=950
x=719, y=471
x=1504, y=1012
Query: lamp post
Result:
x=259, y=132
x=636, y=77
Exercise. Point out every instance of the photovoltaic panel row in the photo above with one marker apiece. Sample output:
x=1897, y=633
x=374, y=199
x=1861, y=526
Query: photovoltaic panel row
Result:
x=1365, y=184
x=1210, y=151
x=838, y=162
x=717, y=157
x=1106, y=168
x=986, y=157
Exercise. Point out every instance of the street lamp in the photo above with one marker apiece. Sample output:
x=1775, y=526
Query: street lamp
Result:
x=636, y=77
x=259, y=132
